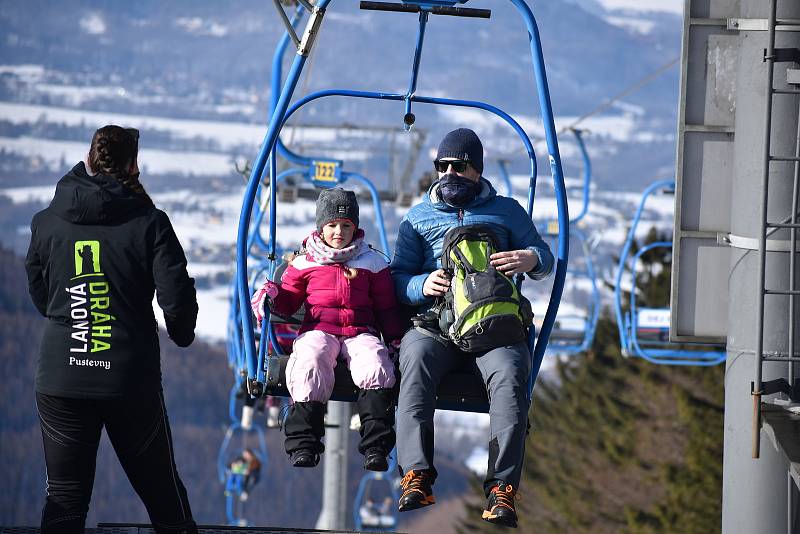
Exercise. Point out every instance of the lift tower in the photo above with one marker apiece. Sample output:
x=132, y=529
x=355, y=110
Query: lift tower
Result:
x=736, y=214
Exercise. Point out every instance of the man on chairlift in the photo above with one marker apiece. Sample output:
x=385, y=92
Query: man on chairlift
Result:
x=461, y=197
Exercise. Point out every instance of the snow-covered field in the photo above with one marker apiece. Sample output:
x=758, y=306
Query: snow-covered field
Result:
x=54, y=153
x=208, y=221
x=669, y=6
x=204, y=220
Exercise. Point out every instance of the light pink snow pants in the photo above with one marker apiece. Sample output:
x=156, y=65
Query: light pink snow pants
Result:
x=309, y=372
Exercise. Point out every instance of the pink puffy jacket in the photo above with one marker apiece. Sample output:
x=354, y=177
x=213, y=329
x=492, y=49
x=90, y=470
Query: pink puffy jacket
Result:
x=340, y=306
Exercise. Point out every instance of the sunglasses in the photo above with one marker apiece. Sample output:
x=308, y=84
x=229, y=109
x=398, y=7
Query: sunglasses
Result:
x=459, y=165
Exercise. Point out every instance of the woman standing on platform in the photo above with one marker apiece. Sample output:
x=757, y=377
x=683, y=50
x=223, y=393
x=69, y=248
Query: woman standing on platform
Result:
x=97, y=255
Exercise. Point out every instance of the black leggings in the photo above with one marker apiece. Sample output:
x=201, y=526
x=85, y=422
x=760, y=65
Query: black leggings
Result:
x=138, y=429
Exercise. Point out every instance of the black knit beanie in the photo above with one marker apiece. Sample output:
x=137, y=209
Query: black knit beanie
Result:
x=336, y=203
x=464, y=144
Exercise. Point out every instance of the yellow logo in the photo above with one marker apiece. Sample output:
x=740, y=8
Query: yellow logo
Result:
x=87, y=258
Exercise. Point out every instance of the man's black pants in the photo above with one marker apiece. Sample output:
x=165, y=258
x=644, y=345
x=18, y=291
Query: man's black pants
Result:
x=139, y=431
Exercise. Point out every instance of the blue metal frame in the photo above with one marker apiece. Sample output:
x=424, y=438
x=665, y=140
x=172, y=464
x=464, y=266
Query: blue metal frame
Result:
x=305, y=161
x=587, y=176
x=408, y=118
x=594, y=312
x=234, y=428
x=662, y=353
x=501, y=164
x=229, y=433
x=255, y=366
x=389, y=477
x=261, y=451
x=232, y=498
x=593, y=315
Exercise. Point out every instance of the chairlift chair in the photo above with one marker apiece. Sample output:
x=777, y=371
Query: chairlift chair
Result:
x=465, y=392
x=566, y=339
x=643, y=332
x=368, y=482
x=231, y=447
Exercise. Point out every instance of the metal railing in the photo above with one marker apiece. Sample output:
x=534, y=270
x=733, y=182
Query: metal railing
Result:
x=767, y=228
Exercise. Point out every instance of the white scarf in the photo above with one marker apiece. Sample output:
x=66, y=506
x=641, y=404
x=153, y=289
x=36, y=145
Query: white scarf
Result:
x=320, y=252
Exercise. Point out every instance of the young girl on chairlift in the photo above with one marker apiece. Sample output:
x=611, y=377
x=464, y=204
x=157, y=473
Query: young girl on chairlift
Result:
x=349, y=299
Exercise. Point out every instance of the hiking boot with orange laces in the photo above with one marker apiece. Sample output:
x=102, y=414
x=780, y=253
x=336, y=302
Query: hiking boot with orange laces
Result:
x=417, y=491
x=500, y=508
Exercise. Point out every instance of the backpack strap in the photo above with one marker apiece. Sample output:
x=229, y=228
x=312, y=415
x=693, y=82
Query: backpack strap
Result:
x=463, y=259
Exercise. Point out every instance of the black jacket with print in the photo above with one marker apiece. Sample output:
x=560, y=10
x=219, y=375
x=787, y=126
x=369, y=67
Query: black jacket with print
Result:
x=97, y=255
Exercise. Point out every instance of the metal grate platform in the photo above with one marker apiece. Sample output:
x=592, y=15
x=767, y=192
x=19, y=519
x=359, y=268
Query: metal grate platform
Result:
x=127, y=528
x=782, y=425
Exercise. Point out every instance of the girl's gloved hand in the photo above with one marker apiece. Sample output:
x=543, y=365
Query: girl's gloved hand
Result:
x=268, y=291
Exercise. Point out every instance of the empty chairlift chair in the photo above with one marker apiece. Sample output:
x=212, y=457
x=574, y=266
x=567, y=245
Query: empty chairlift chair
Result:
x=644, y=332
x=573, y=333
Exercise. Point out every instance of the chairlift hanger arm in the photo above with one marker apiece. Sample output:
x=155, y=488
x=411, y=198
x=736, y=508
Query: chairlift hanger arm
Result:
x=305, y=44
x=277, y=79
x=432, y=7
x=408, y=117
x=447, y=102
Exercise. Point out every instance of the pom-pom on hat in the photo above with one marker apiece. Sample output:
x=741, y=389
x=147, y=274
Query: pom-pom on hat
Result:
x=462, y=144
x=337, y=203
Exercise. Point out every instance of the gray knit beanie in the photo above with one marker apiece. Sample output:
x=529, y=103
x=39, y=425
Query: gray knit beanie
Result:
x=462, y=144
x=336, y=203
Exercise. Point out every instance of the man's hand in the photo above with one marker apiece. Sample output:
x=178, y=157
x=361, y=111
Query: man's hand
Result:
x=436, y=284
x=514, y=261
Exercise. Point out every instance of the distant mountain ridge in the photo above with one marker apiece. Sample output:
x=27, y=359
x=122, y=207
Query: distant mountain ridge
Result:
x=203, y=52
x=213, y=61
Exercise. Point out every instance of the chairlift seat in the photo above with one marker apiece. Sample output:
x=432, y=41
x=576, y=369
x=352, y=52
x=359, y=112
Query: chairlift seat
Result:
x=644, y=334
x=566, y=336
x=288, y=193
x=462, y=390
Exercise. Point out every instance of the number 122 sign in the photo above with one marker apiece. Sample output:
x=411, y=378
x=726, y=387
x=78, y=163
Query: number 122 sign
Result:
x=325, y=171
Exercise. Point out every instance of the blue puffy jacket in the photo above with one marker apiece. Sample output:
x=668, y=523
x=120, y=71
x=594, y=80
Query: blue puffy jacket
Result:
x=419, y=240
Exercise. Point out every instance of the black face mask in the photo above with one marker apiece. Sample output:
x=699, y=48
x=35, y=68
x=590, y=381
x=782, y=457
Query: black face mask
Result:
x=457, y=190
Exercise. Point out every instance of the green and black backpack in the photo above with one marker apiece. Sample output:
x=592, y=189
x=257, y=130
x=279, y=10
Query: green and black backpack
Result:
x=483, y=309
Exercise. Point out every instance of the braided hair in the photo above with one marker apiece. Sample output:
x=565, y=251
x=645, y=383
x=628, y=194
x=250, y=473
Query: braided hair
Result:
x=112, y=152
